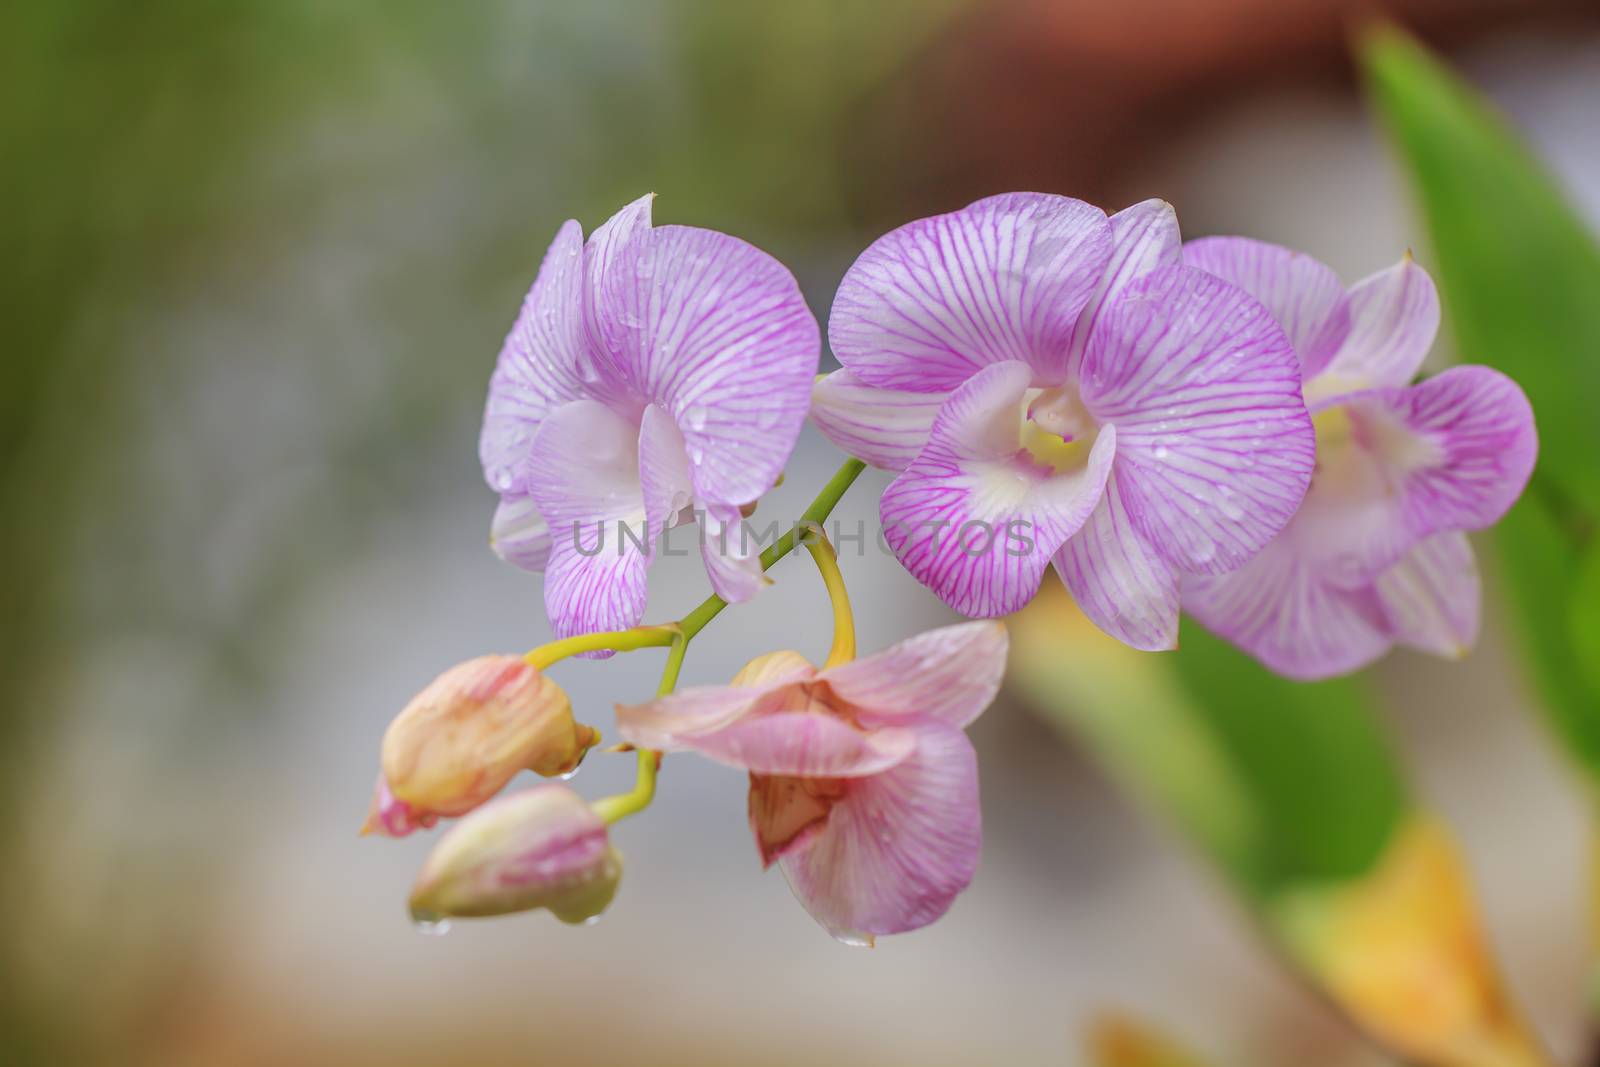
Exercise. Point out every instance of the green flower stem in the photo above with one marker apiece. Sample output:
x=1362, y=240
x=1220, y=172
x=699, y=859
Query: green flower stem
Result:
x=680, y=634
x=614, y=641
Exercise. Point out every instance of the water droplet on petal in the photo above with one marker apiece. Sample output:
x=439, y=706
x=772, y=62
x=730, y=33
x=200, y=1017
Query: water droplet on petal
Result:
x=433, y=927
x=591, y=920
x=695, y=415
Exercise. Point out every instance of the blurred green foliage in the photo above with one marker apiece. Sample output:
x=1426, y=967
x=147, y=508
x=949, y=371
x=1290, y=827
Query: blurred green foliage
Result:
x=1520, y=282
x=1280, y=783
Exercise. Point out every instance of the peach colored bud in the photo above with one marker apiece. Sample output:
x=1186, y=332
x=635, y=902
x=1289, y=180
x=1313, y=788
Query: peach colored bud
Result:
x=541, y=848
x=466, y=735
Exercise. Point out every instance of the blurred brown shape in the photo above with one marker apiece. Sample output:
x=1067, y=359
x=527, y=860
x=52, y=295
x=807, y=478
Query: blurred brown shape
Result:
x=1066, y=95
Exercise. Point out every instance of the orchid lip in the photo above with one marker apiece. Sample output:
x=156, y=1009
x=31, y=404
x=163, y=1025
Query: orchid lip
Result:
x=1056, y=429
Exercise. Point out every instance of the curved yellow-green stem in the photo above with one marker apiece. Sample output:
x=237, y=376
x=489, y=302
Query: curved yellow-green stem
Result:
x=679, y=634
x=843, y=649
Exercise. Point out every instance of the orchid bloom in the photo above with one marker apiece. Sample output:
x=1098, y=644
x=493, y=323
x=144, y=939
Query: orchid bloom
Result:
x=863, y=785
x=1377, y=554
x=468, y=733
x=1054, y=385
x=655, y=373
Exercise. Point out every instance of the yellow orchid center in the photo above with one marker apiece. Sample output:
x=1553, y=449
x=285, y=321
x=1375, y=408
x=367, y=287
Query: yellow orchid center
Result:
x=1057, y=430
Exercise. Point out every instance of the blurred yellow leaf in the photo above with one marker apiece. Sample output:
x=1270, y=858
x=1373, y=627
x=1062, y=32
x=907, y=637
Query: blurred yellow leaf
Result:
x=1401, y=950
x=1116, y=1040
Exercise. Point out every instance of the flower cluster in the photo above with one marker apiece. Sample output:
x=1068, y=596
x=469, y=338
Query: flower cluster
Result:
x=1219, y=427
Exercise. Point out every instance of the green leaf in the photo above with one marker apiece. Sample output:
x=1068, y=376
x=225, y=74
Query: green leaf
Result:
x=1519, y=271
x=1520, y=282
x=1279, y=783
x=1310, y=755
x=1560, y=615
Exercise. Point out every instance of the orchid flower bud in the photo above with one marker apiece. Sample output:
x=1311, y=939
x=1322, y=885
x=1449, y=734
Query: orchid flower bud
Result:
x=541, y=848
x=466, y=735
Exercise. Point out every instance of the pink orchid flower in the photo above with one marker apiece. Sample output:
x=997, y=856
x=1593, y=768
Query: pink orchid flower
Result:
x=1377, y=554
x=863, y=785
x=1054, y=385
x=655, y=373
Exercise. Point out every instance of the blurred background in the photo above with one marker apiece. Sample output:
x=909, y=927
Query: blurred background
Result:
x=258, y=259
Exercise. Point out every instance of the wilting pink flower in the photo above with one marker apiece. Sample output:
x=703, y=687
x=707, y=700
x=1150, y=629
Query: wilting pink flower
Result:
x=1377, y=554
x=1054, y=384
x=654, y=373
x=465, y=736
x=541, y=848
x=863, y=786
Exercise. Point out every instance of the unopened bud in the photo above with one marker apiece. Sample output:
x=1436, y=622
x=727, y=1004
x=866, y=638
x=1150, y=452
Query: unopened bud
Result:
x=541, y=848
x=466, y=735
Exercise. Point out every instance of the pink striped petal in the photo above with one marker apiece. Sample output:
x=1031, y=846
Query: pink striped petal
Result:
x=608, y=268
x=974, y=518
x=1214, y=445
x=898, y=847
x=951, y=674
x=1283, y=612
x=716, y=332
x=1119, y=579
x=663, y=472
x=586, y=484
x=779, y=730
x=1432, y=597
x=1394, y=317
x=1304, y=295
x=1396, y=465
x=672, y=722
x=519, y=535
x=1003, y=279
x=732, y=556
x=1143, y=237
x=883, y=427
x=814, y=744
x=537, y=369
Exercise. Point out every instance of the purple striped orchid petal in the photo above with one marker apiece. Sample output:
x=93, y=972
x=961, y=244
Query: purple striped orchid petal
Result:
x=663, y=472
x=519, y=535
x=1459, y=446
x=1374, y=555
x=883, y=427
x=1303, y=294
x=1214, y=445
x=1394, y=317
x=732, y=557
x=1431, y=598
x=1120, y=579
x=537, y=370
x=1143, y=237
x=689, y=356
x=1003, y=279
x=977, y=515
x=716, y=332
x=891, y=852
x=1285, y=613
x=608, y=266
x=1396, y=465
x=595, y=579
x=950, y=674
